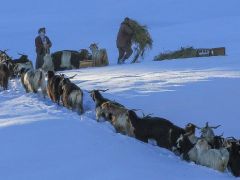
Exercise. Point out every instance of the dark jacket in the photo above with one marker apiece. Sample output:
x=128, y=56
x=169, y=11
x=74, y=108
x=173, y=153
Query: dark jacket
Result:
x=39, y=45
x=124, y=36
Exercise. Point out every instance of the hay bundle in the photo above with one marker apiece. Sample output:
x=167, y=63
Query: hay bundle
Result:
x=184, y=52
x=141, y=39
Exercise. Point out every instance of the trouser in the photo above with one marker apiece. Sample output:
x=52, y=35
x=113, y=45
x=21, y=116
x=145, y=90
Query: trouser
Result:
x=39, y=61
x=124, y=53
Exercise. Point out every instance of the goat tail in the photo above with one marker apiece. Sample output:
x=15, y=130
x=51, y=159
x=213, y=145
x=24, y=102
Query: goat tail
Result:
x=79, y=102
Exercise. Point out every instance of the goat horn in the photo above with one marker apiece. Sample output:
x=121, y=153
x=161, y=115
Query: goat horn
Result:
x=203, y=127
x=231, y=137
x=103, y=90
x=136, y=109
x=21, y=54
x=73, y=76
x=215, y=127
x=147, y=114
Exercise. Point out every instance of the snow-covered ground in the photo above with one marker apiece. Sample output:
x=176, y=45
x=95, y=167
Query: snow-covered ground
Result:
x=40, y=140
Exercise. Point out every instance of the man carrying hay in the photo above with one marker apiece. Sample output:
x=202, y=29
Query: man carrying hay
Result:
x=124, y=41
x=43, y=44
x=132, y=32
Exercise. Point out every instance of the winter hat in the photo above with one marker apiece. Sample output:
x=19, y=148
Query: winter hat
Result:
x=126, y=19
x=43, y=29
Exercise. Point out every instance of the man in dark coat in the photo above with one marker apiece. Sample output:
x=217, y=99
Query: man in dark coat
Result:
x=124, y=41
x=43, y=45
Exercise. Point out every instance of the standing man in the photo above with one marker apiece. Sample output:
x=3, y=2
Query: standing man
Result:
x=43, y=45
x=124, y=41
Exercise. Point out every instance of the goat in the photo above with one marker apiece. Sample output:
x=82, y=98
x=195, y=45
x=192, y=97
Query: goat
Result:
x=213, y=158
x=99, y=100
x=234, y=160
x=4, y=56
x=118, y=117
x=190, y=132
x=159, y=129
x=99, y=56
x=4, y=75
x=62, y=60
x=33, y=80
x=53, y=86
x=207, y=132
x=21, y=65
x=7, y=60
x=186, y=148
x=214, y=141
x=97, y=97
x=186, y=142
x=72, y=95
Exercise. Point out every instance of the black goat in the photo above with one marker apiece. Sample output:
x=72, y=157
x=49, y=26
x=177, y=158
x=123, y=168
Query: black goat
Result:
x=184, y=145
x=4, y=75
x=218, y=142
x=159, y=129
x=187, y=141
x=234, y=160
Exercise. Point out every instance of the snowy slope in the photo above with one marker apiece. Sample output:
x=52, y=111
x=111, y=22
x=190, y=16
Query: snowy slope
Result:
x=63, y=145
x=40, y=140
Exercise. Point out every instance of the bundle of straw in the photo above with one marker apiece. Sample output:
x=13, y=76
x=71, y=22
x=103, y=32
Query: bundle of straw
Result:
x=184, y=52
x=141, y=39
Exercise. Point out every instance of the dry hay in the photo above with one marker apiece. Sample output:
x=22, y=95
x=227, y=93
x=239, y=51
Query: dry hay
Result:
x=141, y=39
x=184, y=52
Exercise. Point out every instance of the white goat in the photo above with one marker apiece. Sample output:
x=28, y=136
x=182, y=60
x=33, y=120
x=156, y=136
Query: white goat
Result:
x=33, y=80
x=208, y=134
x=213, y=158
x=99, y=56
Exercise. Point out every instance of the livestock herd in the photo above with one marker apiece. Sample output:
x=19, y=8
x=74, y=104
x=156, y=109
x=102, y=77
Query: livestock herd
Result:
x=208, y=150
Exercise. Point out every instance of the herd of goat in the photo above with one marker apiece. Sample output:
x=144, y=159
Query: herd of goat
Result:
x=208, y=150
